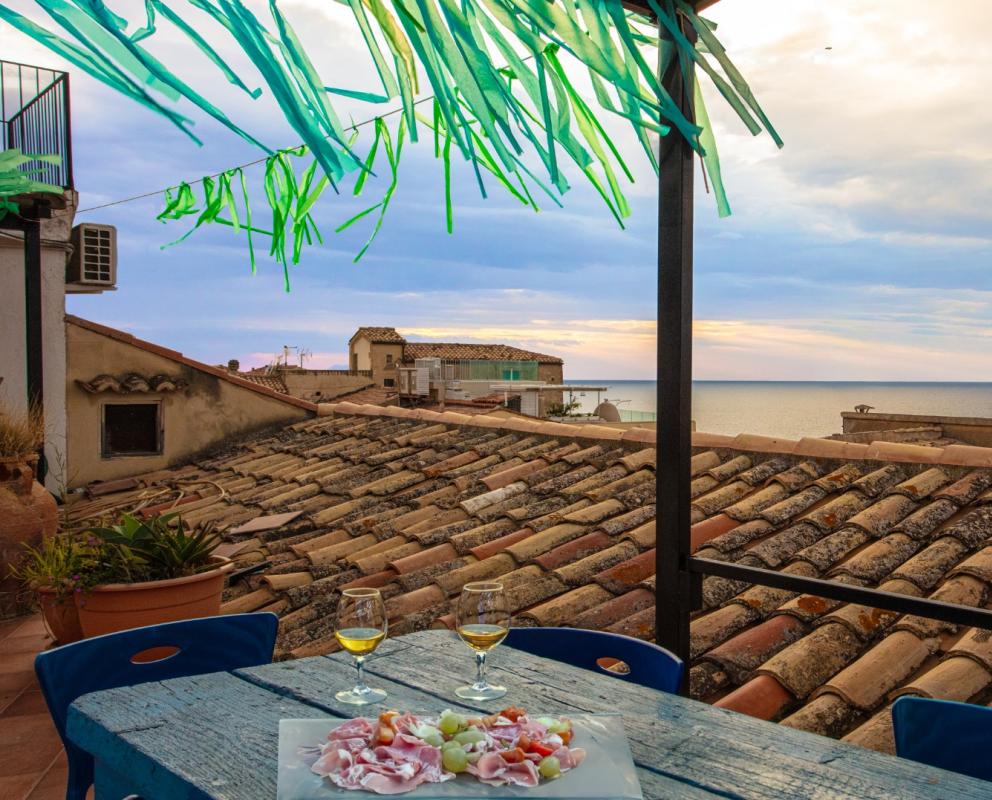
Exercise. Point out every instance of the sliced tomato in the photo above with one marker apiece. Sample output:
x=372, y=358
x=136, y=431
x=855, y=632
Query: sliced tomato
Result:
x=524, y=743
x=514, y=756
x=513, y=713
x=541, y=749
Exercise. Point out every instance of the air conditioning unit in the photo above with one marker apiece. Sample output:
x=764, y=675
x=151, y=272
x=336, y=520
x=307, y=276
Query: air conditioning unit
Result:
x=94, y=257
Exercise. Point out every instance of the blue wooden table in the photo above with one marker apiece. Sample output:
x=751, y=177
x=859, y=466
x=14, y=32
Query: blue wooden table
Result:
x=215, y=736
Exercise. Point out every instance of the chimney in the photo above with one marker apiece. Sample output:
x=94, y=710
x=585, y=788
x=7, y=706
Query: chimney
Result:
x=234, y=365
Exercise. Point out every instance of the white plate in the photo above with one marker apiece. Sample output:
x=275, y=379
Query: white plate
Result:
x=607, y=773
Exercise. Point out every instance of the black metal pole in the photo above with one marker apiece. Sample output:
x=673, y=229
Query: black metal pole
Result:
x=33, y=328
x=673, y=593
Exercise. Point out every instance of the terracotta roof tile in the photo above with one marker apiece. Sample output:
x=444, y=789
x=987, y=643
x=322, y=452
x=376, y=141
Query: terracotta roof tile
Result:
x=573, y=550
x=584, y=570
x=958, y=678
x=615, y=609
x=472, y=352
x=867, y=682
x=628, y=574
x=568, y=606
x=762, y=697
x=498, y=545
x=416, y=503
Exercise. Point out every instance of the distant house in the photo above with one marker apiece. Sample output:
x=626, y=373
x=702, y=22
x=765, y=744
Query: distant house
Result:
x=136, y=407
x=435, y=372
x=379, y=351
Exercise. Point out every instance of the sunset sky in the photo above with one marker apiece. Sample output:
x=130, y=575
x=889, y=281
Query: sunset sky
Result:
x=861, y=251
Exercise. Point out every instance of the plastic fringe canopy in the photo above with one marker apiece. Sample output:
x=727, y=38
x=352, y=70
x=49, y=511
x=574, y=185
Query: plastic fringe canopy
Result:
x=498, y=75
x=15, y=180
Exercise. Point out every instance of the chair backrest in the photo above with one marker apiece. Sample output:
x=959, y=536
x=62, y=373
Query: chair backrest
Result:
x=945, y=734
x=643, y=663
x=210, y=644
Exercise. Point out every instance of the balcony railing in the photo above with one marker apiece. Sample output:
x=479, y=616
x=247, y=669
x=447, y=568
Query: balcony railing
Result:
x=34, y=117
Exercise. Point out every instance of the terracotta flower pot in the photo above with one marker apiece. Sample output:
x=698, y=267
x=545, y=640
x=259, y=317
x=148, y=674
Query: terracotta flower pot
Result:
x=27, y=513
x=61, y=616
x=121, y=606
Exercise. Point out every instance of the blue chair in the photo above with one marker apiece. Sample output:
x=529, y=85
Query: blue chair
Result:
x=643, y=663
x=211, y=644
x=941, y=733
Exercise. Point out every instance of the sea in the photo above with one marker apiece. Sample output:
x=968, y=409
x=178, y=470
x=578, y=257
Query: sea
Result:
x=791, y=409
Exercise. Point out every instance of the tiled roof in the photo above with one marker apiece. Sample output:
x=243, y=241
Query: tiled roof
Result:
x=418, y=503
x=271, y=381
x=371, y=395
x=379, y=335
x=485, y=352
x=179, y=358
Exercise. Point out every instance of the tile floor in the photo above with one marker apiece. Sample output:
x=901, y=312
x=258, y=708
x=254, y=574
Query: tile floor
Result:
x=32, y=761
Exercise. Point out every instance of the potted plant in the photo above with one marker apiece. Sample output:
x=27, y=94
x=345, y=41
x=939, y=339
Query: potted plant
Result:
x=143, y=572
x=53, y=571
x=28, y=513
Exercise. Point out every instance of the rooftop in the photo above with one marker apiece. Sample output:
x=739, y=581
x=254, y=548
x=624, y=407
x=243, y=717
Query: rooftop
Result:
x=418, y=503
x=486, y=352
x=174, y=355
x=379, y=335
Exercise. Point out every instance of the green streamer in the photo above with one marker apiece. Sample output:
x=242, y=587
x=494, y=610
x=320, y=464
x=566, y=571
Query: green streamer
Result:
x=16, y=181
x=503, y=92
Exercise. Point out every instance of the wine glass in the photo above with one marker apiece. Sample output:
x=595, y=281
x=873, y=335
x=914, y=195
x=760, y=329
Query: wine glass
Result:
x=483, y=620
x=360, y=628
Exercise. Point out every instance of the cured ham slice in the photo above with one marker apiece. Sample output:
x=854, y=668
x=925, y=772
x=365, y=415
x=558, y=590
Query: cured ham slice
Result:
x=493, y=770
x=569, y=758
x=399, y=752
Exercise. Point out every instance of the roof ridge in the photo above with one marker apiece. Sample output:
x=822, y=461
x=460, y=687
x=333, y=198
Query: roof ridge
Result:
x=957, y=455
x=175, y=355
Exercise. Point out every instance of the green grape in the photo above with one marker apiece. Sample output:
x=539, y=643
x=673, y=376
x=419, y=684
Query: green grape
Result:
x=473, y=757
x=434, y=739
x=549, y=767
x=450, y=744
x=471, y=736
x=449, y=724
x=559, y=726
x=454, y=759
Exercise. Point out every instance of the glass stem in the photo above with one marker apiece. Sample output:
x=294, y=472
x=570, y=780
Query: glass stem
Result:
x=360, y=687
x=480, y=670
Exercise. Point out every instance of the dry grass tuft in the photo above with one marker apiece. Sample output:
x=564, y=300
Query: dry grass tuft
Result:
x=21, y=432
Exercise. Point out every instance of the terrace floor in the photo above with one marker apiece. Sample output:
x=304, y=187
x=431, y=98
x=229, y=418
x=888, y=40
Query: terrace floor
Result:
x=33, y=765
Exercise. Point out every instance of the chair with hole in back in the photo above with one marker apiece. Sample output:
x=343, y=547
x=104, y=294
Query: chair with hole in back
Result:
x=945, y=734
x=189, y=647
x=624, y=657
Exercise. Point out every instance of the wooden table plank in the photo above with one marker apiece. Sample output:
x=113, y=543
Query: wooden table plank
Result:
x=215, y=736
x=729, y=754
x=212, y=736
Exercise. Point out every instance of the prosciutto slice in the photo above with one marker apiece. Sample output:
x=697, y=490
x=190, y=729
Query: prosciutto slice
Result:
x=351, y=762
x=493, y=770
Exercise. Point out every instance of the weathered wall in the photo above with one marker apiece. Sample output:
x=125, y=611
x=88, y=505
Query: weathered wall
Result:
x=360, y=354
x=553, y=374
x=380, y=369
x=55, y=234
x=201, y=416
x=321, y=385
x=970, y=430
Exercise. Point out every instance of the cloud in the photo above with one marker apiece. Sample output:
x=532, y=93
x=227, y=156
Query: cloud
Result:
x=860, y=251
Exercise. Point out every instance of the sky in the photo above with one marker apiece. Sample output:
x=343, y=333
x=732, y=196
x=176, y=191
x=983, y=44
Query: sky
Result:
x=860, y=251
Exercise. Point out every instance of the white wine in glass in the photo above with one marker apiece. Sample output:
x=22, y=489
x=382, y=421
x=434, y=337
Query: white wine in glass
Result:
x=483, y=620
x=360, y=628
